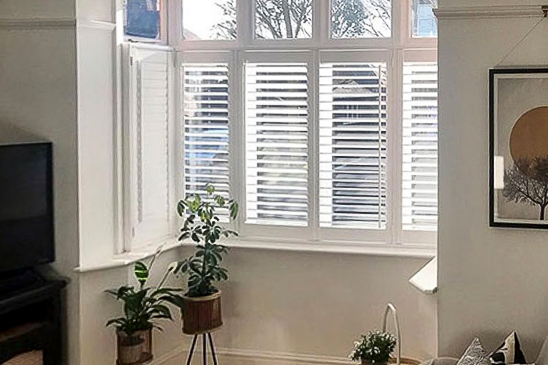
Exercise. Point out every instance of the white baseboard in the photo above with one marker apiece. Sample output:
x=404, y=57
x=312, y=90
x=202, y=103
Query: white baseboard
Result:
x=251, y=357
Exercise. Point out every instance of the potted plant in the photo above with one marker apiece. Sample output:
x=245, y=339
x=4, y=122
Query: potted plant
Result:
x=143, y=307
x=201, y=304
x=373, y=348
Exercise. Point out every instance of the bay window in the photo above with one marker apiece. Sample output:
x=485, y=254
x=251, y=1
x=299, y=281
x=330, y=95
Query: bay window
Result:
x=318, y=116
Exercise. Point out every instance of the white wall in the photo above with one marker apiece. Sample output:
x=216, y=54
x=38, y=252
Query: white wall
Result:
x=318, y=303
x=492, y=281
x=38, y=95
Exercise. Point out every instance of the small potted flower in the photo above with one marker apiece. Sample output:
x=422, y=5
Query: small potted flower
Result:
x=373, y=348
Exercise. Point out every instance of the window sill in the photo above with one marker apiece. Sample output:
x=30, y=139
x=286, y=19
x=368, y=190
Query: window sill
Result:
x=367, y=249
x=128, y=258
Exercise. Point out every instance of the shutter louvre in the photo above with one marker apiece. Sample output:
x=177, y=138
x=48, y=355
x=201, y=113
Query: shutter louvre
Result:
x=150, y=137
x=420, y=147
x=206, y=129
x=353, y=147
x=277, y=143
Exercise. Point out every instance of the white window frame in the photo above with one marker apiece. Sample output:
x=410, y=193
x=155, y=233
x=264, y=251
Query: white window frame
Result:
x=393, y=51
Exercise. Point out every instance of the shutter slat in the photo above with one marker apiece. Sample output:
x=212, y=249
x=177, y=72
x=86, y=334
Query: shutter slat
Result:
x=353, y=145
x=420, y=147
x=277, y=143
x=206, y=123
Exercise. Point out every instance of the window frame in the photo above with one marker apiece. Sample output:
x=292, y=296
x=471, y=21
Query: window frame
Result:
x=321, y=46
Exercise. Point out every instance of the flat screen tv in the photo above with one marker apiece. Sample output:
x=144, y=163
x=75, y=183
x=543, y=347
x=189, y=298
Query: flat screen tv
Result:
x=26, y=206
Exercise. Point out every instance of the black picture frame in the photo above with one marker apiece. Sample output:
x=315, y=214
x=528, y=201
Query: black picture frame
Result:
x=493, y=73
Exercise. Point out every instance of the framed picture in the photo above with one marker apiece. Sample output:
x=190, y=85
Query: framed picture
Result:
x=518, y=114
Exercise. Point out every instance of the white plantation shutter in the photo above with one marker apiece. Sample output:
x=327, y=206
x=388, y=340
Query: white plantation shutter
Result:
x=150, y=78
x=277, y=143
x=206, y=129
x=420, y=146
x=353, y=181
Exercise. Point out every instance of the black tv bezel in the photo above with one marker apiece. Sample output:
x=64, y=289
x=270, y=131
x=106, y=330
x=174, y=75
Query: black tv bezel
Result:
x=50, y=257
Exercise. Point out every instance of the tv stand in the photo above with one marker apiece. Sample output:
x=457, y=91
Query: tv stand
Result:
x=30, y=319
x=19, y=279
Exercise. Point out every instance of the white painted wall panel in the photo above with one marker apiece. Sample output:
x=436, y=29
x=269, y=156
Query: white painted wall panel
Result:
x=96, y=144
x=491, y=281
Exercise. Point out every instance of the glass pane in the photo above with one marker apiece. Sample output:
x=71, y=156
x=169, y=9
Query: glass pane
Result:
x=424, y=20
x=420, y=147
x=142, y=18
x=361, y=18
x=206, y=122
x=209, y=20
x=276, y=19
x=277, y=143
x=353, y=145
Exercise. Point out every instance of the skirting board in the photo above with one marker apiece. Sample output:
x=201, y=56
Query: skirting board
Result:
x=247, y=357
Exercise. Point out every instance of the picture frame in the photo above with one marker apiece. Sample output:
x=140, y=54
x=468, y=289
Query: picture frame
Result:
x=518, y=148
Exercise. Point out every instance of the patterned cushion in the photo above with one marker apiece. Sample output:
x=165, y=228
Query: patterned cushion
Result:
x=474, y=355
x=509, y=352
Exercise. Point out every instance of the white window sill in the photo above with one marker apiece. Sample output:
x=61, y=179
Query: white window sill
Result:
x=367, y=249
x=426, y=279
x=128, y=258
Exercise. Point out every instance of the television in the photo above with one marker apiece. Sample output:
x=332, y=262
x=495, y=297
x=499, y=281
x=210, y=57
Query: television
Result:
x=26, y=206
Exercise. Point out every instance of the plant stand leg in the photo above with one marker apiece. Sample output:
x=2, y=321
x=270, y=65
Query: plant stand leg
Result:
x=212, y=345
x=204, y=349
x=191, y=352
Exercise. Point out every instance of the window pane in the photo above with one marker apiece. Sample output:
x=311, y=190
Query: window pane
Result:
x=277, y=143
x=420, y=146
x=361, y=18
x=142, y=18
x=275, y=19
x=205, y=113
x=353, y=145
x=209, y=19
x=425, y=23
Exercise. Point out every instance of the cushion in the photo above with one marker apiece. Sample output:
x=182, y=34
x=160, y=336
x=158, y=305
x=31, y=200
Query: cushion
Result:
x=509, y=352
x=474, y=355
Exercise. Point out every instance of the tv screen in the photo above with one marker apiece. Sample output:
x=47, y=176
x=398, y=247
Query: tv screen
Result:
x=26, y=206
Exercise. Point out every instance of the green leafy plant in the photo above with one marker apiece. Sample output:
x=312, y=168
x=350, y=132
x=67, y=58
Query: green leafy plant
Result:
x=144, y=307
x=202, y=225
x=375, y=347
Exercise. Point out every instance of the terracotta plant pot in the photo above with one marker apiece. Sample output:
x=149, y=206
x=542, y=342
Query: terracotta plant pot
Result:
x=202, y=314
x=130, y=348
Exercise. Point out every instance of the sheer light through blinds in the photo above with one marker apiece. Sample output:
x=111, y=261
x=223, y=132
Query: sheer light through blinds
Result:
x=420, y=146
x=206, y=128
x=277, y=143
x=353, y=145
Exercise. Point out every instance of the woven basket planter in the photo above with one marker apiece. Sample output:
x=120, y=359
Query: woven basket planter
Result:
x=135, y=349
x=202, y=314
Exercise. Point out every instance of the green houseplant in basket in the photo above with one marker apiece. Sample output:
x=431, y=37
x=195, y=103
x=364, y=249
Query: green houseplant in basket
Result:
x=143, y=307
x=374, y=348
x=201, y=304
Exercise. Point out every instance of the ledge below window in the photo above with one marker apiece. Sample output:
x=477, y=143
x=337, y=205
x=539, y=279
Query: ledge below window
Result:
x=426, y=279
x=381, y=250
